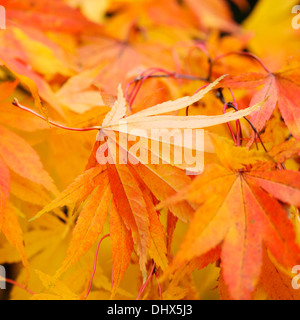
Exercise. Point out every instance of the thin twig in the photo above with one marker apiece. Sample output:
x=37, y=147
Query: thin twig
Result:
x=95, y=265
x=17, y=104
x=18, y=285
x=242, y=53
x=143, y=287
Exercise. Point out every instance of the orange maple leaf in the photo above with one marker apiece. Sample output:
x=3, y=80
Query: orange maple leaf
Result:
x=282, y=88
x=238, y=208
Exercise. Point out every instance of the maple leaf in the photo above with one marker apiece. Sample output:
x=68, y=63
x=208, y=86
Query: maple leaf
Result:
x=132, y=44
x=280, y=287
x=283, y=89
x=131, y=197
x=56, y=17
x=238, y=208
x=29, y=80
x=9, y=224
x=274, y=283
x=34, y=56
x=18, y=156
x=143, y=123
x=120, y=59
x=19, y=61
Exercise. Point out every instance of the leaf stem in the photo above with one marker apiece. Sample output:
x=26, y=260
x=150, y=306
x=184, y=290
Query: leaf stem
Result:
x=231, y=105
x=95, y=266
x=159, y=287
x=149, y=73
x=143, y=287
x=17, y=104
x=242, y=53
x=18, y=285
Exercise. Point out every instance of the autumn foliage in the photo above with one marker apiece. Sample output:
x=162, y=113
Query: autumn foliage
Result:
x=72, y=73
